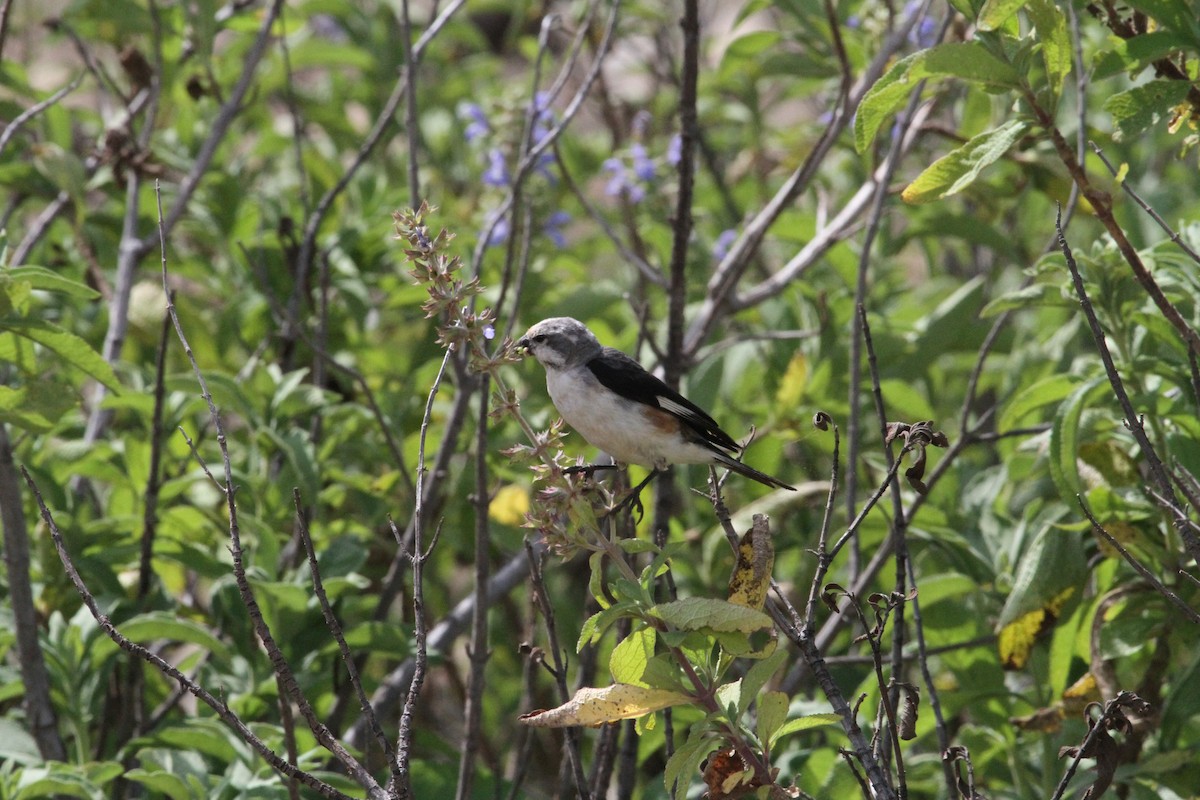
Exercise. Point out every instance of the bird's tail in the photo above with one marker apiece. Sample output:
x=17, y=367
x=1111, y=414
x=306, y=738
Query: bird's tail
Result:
x=750, y=472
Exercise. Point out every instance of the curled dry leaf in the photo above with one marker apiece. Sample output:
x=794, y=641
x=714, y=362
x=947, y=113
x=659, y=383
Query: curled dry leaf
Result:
x=751, y=578
x=917, y=436
x=592, y=707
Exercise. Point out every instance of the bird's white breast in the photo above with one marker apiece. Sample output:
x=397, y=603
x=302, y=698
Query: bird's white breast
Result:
x=616, y=425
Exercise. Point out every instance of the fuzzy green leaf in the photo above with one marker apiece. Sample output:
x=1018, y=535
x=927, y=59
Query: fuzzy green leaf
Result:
x=958, y=169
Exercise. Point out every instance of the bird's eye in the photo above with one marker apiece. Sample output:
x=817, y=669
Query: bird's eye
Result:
x=541, y=337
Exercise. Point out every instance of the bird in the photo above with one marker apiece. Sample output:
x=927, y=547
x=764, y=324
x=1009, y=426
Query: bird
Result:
x=621, y=408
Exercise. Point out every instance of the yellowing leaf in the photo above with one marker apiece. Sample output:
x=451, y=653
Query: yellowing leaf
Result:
x=795, y=381
x=1016, y=639
x=510, y=505
x=959, y=168
x=596, y=706
x=751, y=579
x=1080, y=693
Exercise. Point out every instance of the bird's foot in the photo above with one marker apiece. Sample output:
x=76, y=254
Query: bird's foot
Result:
x=633, y=500
x=587, y=470
x=633, y=503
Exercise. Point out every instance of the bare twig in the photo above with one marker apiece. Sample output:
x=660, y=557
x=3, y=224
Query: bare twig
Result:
x=410, y=107
x=728, y=273
x=1172, y=234
x=675, y=362
x=823, y=557
x=39, y=709
x=401, y=777
x=441, y=636
x=542, y=599
x=222, y=710
x=1102, y=205
x=13, y=127
x=1133, y=420
x=335, y=627
x=282, y=669
x=858, y=321
x=153, y=481
x=530, y=158
x=382, y=124
x=1138, y=566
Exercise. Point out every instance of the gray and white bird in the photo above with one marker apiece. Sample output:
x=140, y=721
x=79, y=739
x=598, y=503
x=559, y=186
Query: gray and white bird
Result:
x=622, y=409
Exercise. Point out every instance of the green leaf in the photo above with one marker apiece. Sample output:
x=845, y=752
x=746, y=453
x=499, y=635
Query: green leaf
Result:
x=772, y=713
x=1133, y=55
x=163, y=625
x=882, y=100
x=1177, y=15
x=995, y=13
x=1183, y=704
x=36, y=406
x=207, y=736
x=631, y=655
x=729, y=698
x=757, y=676
x=1064, y=440
x=1051, y=25
x=1055, y=561
x=685, y=763
x=1032, y=296
x=972, y=62
x=172, y=786
x=49, y=281
x=806, y=723
x=16, y=745
x=69, y=347
x=1143, y=106
x=958, y=169
x=704, y=613
x=1048, y=390
x=969, y=61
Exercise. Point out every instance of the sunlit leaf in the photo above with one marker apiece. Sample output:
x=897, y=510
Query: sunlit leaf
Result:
x=593, y=707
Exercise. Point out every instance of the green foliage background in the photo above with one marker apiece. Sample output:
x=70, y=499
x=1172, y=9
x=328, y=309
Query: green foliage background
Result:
x=320, y=358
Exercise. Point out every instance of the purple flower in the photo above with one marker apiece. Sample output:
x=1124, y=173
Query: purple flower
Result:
x=924, y=33
x=497, y=171
x=618, y=178
x=477, y=124
x=553, y=227
x=721, y=246
x=643, y=166
x=620, y=183
x=675, y=150
x=499, y=233
x=489, y=332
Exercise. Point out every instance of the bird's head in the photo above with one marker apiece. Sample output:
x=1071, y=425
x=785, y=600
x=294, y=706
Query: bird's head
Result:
x=560, y=342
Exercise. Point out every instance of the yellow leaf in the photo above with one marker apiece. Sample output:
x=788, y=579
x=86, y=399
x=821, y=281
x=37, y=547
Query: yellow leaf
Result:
x=1017, y=637
x=793, y=384
x=751, y=579
x=1080, y=693
x=594, y=707
x=510, y=505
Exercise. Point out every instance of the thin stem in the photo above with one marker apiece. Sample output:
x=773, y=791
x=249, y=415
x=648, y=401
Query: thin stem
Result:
x=1133, y=420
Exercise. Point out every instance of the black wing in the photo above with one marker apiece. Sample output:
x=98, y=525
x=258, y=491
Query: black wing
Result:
x=626, y=377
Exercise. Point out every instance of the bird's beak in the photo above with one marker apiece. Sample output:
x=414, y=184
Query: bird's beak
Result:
x=523, y=346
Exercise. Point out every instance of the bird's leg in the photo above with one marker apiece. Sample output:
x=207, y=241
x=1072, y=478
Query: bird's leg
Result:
x=587, y=469
x=633, y=500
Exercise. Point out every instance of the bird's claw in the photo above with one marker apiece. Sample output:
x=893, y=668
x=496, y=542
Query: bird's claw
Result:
x=632, y=502
x=587, y=470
